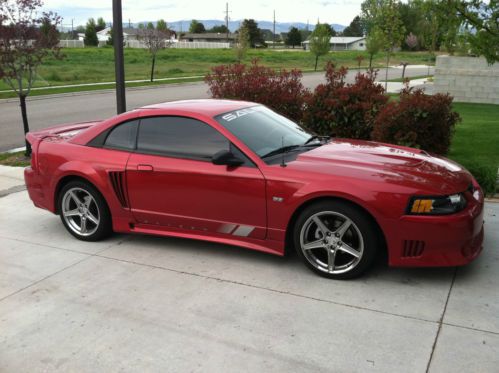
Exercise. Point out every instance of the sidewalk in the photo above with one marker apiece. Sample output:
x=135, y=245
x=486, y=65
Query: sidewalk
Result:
x=140, y=303
x=11, y=180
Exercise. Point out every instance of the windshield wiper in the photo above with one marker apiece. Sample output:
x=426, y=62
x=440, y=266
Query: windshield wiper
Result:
x=316, y=137
x=283, y=149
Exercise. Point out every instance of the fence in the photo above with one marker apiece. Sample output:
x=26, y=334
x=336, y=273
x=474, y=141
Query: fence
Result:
x=140, y=44
x=468, y=79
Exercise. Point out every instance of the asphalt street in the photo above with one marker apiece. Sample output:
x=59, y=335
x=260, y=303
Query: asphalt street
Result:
x=45, y=111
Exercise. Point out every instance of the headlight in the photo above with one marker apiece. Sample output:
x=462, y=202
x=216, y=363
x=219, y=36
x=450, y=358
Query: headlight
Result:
x=436, y=205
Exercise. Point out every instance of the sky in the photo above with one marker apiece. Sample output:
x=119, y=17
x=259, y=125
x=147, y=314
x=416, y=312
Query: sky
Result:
x=334, y=11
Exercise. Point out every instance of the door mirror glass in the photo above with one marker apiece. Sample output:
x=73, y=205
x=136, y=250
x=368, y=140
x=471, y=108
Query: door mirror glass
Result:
x=225, y=157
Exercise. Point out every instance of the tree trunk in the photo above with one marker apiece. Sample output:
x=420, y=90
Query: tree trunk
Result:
x=371, y=56
x=403, y=72
x=22, y=99
x=386, y=71
x=316, y=61
x=152, y=68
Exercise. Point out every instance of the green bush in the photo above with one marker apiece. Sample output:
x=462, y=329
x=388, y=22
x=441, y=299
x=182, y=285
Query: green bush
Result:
x=342, y=109
x=417, y=120
x=485, y=175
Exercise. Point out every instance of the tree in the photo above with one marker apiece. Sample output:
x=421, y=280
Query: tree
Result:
x=411, y=41
x=384, y=16
x=150, y=26
x=355, y=28
x=221, y=29
x=294, y=37
x=91, y=39
x=481, y=20
x=243, y=43
x=24, y=47
x=254, y=33
x=161, y=25
x=320, y=42
x=374, y=43
x=154, y=40
x=101, y=24
x=332, y=31
x=196, y=27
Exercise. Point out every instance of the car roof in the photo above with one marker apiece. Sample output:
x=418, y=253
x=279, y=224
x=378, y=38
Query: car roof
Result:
x=208, y=107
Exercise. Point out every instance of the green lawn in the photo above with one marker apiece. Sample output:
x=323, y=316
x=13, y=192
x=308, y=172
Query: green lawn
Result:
x=88, y=65
x=476, y=141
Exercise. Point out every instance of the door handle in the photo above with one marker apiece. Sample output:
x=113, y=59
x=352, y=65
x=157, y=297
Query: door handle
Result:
x=145, y=167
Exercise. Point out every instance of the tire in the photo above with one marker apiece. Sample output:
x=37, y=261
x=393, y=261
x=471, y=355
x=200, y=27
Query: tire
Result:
x=84, y=212
x=335, y=239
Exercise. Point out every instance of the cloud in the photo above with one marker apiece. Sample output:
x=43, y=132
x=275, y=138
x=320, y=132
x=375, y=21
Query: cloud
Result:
x=332, y=11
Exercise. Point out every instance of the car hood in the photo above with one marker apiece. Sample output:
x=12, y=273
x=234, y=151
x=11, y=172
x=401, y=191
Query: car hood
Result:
x=372, y=161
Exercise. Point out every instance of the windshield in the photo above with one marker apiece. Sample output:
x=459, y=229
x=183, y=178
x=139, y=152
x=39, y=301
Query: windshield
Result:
x=262, y=130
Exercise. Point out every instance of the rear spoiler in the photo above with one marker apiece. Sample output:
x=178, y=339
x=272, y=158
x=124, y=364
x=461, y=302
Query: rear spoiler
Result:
x=61, y=131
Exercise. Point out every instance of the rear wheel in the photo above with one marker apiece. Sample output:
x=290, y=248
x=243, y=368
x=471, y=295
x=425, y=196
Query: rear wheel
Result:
x=335, y=239
x=84, y=212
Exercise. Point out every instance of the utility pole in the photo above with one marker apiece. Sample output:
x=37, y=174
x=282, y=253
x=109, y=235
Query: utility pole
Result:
x=129, y=23
x=273, y=33
x=227, y=20
x=119, y=64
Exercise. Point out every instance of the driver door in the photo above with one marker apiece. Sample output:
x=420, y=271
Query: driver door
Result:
x=172, y=182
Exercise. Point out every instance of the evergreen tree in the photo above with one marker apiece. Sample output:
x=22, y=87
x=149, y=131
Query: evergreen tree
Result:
x=91, y=39
x=101, y=24
x=254, y=33
x=196, y=27
x=294, y=37
x=161, y=25
x=355, y=28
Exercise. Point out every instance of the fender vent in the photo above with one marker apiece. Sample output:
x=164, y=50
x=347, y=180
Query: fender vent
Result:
x=413, y=249
x=118, y=182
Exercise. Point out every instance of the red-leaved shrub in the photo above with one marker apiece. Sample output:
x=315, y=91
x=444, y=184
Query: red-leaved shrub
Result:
x=344, y=109
x=280, y=90
x=417, y=120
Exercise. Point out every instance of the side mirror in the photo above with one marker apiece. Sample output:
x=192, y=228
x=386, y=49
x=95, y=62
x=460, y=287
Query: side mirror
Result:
x=225, y=157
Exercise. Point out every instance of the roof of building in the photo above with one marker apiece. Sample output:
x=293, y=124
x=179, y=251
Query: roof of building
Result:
x=343, y=39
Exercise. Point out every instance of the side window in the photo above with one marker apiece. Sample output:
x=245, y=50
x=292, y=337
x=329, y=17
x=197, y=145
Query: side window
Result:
x=123, y=136
x=179, y=137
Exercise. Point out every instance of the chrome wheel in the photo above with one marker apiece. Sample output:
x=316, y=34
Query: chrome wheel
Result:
x=331, y=242
x=80, y=211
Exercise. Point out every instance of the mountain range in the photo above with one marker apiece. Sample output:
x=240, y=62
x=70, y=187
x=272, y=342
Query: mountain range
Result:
x=183, y=25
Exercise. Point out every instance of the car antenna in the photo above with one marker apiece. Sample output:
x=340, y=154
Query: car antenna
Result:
x=283, y=164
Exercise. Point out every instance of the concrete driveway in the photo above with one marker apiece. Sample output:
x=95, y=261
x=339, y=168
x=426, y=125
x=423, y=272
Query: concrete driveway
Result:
x=137, y=303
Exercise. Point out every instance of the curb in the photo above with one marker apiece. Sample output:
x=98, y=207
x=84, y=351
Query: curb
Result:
x=96, y=91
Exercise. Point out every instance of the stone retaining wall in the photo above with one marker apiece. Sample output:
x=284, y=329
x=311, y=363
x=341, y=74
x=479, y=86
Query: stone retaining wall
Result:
x=468, y=79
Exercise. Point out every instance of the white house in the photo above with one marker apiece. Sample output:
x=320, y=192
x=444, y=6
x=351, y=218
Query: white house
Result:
x=343, y=43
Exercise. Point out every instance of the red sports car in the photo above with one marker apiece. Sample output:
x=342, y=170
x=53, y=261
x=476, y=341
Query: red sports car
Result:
x=238, y=173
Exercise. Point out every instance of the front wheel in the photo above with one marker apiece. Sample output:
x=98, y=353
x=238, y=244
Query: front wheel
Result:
x=335, y=239
x=84, y=211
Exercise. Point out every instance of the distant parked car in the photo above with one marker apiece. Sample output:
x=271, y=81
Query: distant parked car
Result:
x=238, y=173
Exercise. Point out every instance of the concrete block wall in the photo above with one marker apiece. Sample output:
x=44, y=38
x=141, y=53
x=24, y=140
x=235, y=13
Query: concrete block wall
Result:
x=468, y=79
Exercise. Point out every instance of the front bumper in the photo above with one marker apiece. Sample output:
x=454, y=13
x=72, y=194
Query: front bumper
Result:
x=437, y=241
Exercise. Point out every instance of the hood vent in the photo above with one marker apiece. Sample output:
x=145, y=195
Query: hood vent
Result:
x=413, y=249
x=118, y=182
